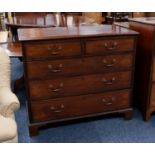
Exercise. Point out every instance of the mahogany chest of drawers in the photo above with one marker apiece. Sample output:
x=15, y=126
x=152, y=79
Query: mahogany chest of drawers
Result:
x=77, y=72
x=145, y=64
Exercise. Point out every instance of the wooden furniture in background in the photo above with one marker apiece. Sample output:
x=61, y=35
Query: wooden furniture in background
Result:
x=123, y=16
x=35, y=20
x=150, y=14
x=15, y=14
x=76, y=20
x=145, y=64
x=122, y=24
x=138, y=14
x=77, y=72
x=72, y=13
x=96, y=16
x=29, y=20
x=117, y=17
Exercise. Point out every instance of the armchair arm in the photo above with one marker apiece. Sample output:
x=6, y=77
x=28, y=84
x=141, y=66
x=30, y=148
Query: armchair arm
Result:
x=9, y=102
x=8, y=129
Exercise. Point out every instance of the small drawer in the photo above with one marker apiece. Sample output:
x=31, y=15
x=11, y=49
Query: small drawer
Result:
x=68, y=107
x=79, y=85
x=109, y=45
x=70, y=67
x=45, y=50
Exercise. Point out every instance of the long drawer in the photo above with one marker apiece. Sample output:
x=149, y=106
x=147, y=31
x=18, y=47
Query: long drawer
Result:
x=70, y=67
x=45, y=50
x=45, y=89
x=109, y=45
x=67, y=107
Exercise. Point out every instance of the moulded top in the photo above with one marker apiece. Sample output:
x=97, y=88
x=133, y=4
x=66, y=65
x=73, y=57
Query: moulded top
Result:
x=72, y=32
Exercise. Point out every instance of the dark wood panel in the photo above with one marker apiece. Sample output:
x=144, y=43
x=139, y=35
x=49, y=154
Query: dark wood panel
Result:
x=144, y=64
x=79, y=85
x=70, y=67
x=79, y=105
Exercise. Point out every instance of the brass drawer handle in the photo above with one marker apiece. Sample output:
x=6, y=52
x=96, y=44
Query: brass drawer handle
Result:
x=50, y=66
x=56, y=90
x=54, y=50
x=110, y=46
x=109, y=65
x=54, y=53
x=58, y=109
x=55, y=70
x=108, y=82
x=51, y=87
x=59, y=48
x=110, y=102
x=49, y=48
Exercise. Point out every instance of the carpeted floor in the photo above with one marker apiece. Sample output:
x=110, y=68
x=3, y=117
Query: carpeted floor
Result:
x=105, y=130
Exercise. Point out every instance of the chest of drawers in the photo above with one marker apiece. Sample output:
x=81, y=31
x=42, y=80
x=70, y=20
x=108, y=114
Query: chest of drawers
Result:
x=77, y=72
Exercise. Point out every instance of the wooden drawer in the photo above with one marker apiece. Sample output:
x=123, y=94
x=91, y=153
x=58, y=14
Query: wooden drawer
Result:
x=70, y=67
x=78, y=85
x=67, y=107
x=109, y=45
x=45, y=50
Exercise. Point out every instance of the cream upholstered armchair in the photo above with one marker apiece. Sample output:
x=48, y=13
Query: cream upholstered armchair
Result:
x=8, y=102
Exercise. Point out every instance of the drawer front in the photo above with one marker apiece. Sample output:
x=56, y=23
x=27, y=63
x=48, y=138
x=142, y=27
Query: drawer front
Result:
x=45, y=50
x=70, y=67
x=68, y=107
x=79, y=85
x=152, y=100
x=111, y=45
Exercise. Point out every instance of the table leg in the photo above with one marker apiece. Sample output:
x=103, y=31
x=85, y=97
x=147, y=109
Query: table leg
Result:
x=14, y=34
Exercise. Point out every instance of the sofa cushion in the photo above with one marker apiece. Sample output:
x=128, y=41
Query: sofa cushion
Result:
x=8, y=129
x=9, y=102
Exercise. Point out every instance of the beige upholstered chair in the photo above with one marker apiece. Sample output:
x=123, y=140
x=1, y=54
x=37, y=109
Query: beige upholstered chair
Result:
x=8, y=102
